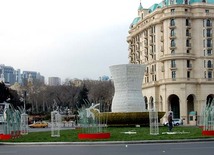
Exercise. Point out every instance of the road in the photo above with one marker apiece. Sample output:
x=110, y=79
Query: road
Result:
x=189, y=148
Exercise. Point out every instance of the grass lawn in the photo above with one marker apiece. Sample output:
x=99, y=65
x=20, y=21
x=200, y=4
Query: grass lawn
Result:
x=117, y=134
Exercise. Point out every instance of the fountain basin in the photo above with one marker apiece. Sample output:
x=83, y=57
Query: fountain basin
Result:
x=126, y=118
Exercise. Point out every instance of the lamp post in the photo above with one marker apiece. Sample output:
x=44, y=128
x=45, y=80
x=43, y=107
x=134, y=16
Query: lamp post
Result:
x=25, y=94
x=24, y=117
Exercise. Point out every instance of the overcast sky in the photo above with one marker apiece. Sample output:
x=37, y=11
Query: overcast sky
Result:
x=66, y=38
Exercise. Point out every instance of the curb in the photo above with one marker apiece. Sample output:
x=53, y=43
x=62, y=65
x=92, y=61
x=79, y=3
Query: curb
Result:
x=109, y=142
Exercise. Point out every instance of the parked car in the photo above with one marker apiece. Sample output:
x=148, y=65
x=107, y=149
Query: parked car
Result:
x=175, y=122
x=39, y=125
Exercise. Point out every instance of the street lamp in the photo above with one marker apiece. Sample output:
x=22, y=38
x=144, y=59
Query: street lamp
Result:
x=24, y=117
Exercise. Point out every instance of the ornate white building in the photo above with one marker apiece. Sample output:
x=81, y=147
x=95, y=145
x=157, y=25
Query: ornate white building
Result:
x=175, y=40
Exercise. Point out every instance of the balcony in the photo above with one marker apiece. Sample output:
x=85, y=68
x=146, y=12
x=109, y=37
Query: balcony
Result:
x=188, y=45
x=172, y=36
x=188, y=35
x=209, y=35
x=210, y=67
x=189, y=66
x=209, y=46
x=209, y=25
x=172, y=26
x=188, y=25
x=172, y=47
x=173, y=67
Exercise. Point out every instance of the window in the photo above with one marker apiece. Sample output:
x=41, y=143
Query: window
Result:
x=209, y=52
x=206, y=11
x=172, y=11
x=172, y=32
x=208, y=22
x=173, y=65
x=142, y=15
x=173, y=74
x=172, y=22
x=188, y=64
x=188, y=51
x=205, y=74
x=187, y=32
x=204, y=1
x=209, y=64
x=208, y=32
x=187, y=43
x=172, y=43
x=188, y=74
x=209, y=74
x=187, y=22
x=209, y=43
x=186, y=10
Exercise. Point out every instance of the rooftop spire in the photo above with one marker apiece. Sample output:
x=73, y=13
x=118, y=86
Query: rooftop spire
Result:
x=140, y=6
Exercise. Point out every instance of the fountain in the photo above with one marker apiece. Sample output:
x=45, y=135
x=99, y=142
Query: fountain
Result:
x=128, y=106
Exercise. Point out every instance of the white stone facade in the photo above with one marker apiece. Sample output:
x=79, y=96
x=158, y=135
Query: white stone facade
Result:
x=175, y=42
x=128, y=91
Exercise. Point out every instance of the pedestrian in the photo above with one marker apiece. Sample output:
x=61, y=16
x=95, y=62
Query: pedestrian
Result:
x=170, y=122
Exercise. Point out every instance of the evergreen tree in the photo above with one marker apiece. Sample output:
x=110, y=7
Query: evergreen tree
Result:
x=82, y=97
x=4, y=92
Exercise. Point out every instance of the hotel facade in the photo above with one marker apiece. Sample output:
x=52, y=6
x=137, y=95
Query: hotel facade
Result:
x=174, y=38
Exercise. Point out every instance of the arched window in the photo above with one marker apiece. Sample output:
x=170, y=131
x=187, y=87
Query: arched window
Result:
x=172, y=32
x=172, y=22
x=209, y=64
x=172, y=43
x=187, y=22
x=208, y=22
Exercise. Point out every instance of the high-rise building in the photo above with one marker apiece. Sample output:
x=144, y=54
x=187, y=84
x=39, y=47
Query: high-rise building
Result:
x=174, y=38
x=54, y=81
x=33, y=76
x=7, y=74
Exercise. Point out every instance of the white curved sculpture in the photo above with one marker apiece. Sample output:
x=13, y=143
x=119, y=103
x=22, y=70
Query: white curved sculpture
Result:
x=128, y=95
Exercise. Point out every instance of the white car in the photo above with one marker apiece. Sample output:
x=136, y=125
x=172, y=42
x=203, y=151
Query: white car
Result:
x=175, y=122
